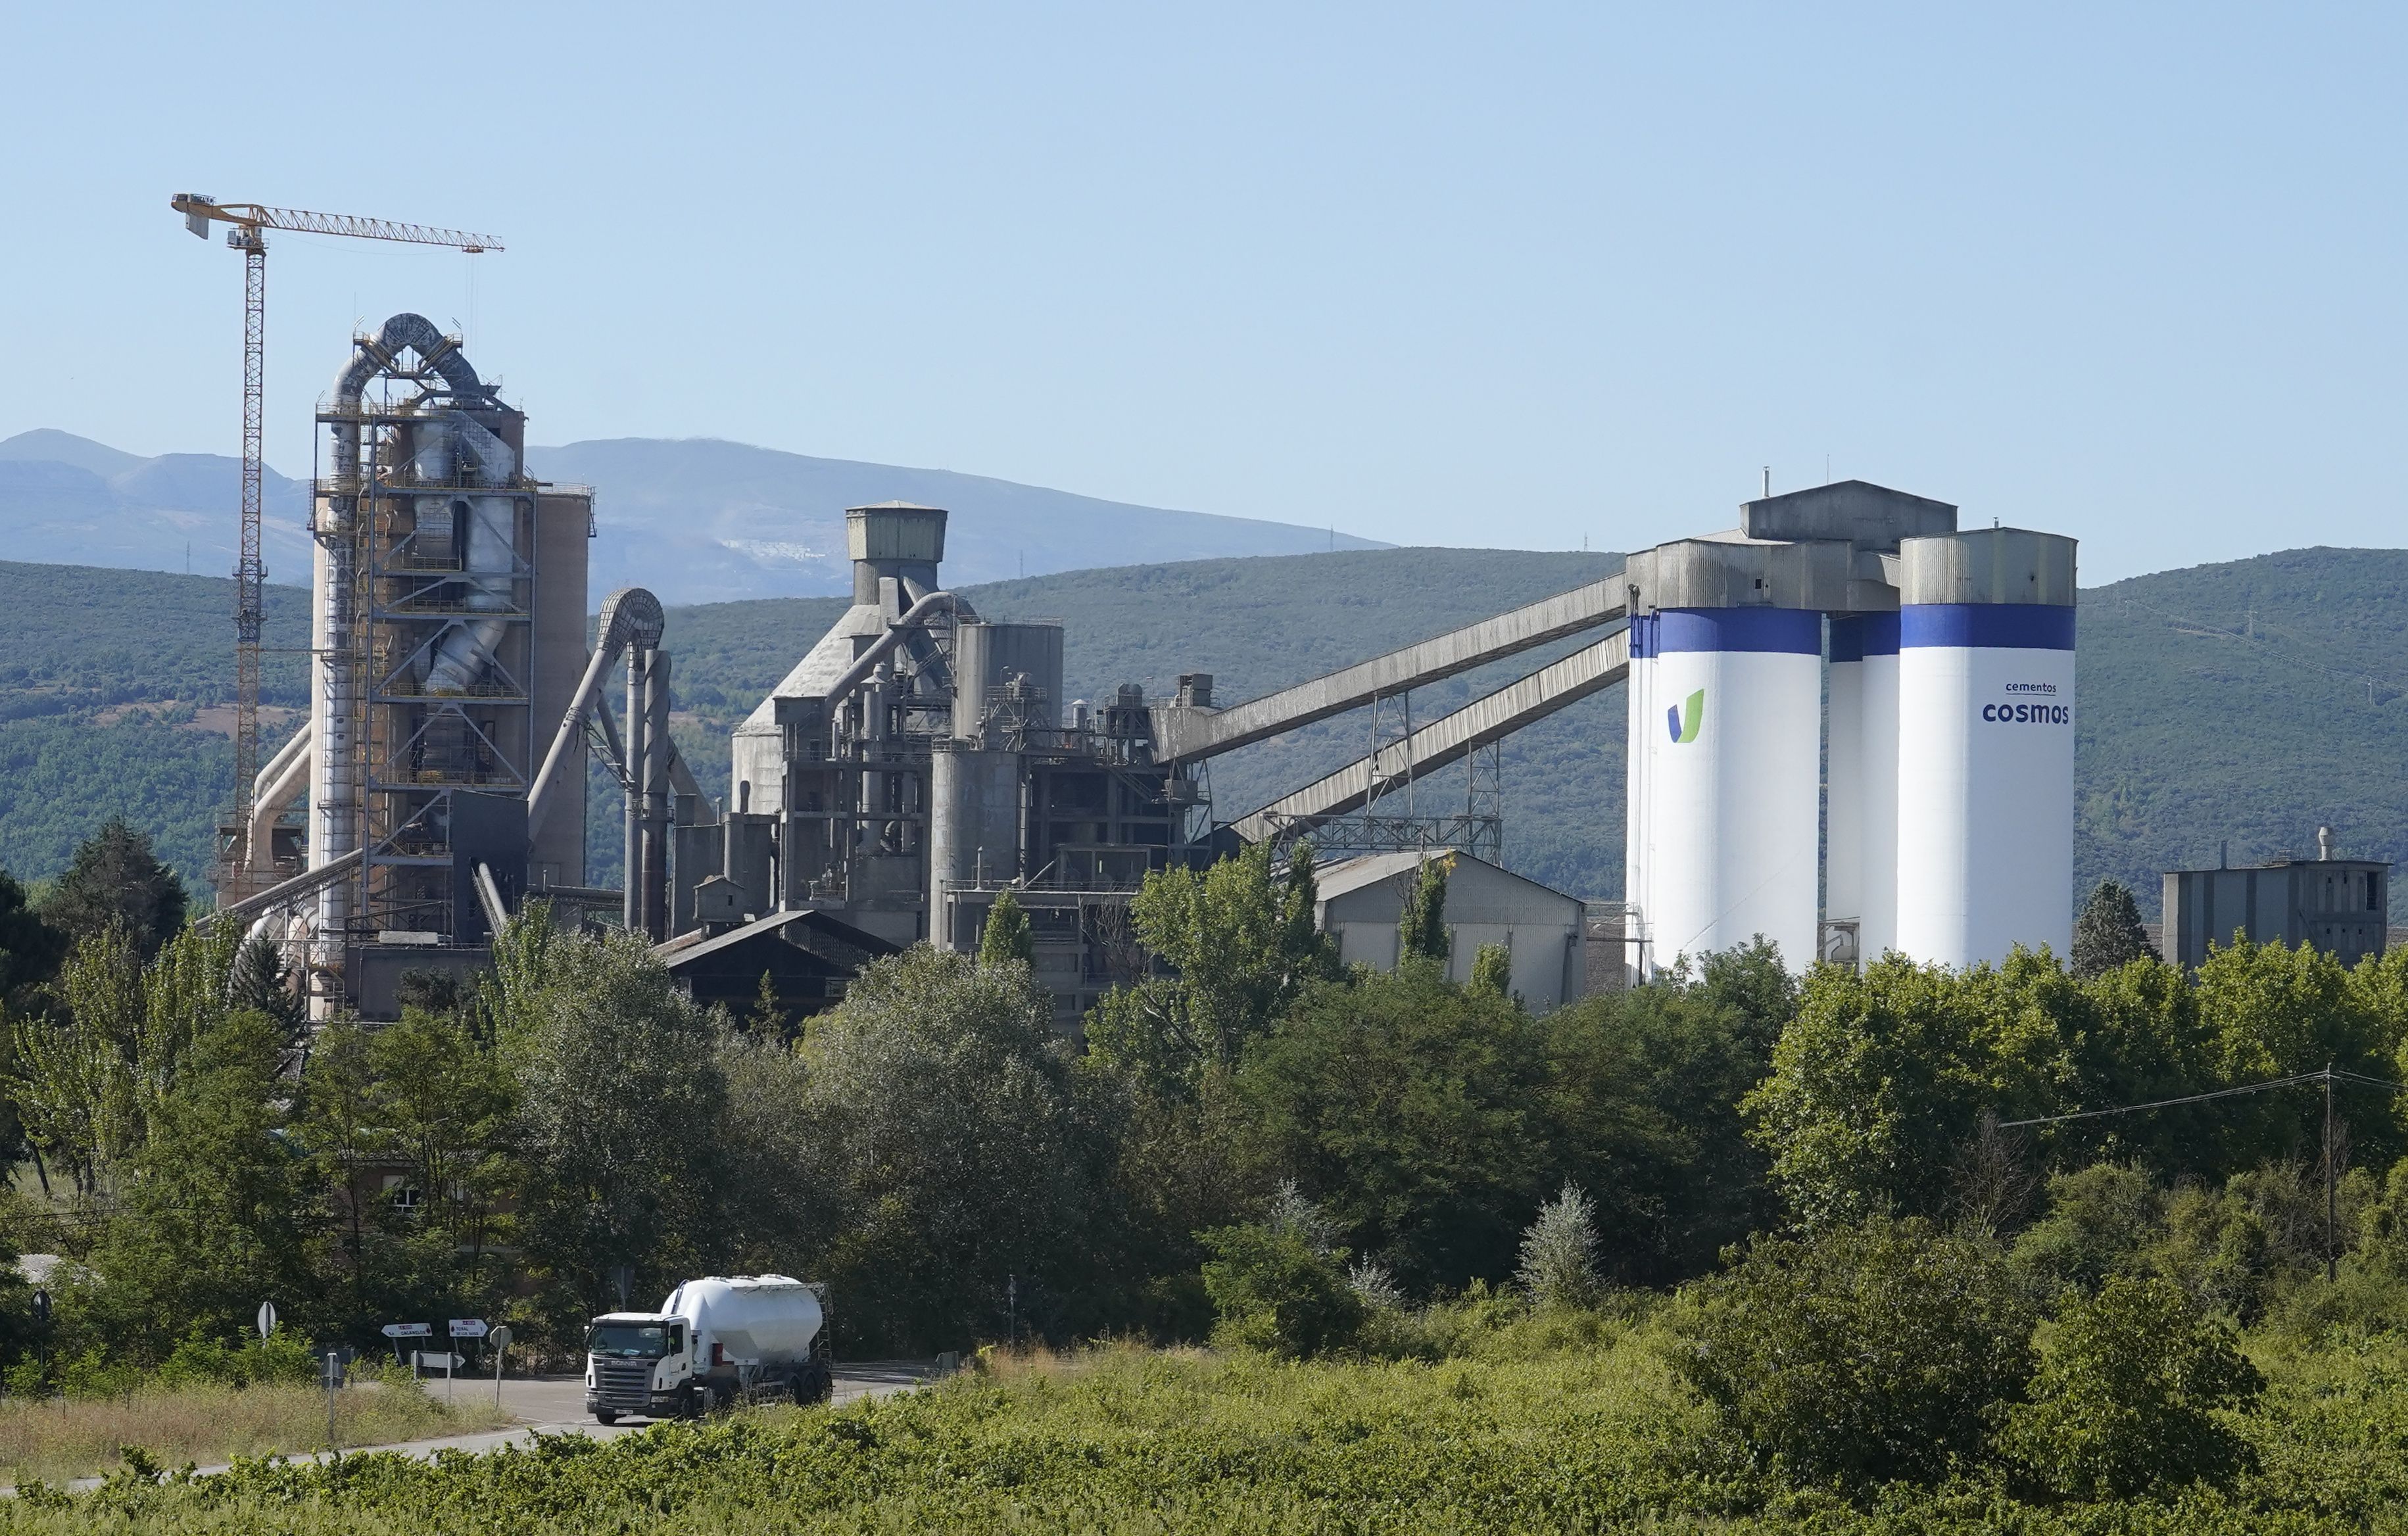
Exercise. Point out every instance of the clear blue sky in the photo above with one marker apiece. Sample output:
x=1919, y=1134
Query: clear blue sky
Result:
x=1475, y=275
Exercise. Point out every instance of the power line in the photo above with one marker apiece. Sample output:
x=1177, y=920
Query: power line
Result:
x=2326, y=1078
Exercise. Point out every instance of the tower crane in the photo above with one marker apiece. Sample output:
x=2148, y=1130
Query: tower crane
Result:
x=247, y=223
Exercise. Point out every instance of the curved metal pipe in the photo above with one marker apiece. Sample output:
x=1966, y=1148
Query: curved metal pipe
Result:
x=630, y=616
x=867, y=661
x=297, y=742
x=270, y=803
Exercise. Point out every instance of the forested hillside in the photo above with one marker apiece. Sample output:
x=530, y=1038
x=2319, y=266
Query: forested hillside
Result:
x=2248, y=702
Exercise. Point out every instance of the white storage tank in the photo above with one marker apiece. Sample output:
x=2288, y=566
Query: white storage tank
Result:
x=1843, y=782
x=748, y=1320
x=1644, y=731
x=1877, y=933
x=1733, y=799
x=1986, y=713
x=1862, y=858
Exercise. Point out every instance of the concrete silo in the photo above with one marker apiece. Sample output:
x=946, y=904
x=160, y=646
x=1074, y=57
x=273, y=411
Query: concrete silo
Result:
x=1986, y=708
x=1643, y=732
x=1730, y=725
x=1860, y=824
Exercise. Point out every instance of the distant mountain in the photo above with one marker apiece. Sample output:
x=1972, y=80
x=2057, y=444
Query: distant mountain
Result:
x=698, y=519
x=68, y=500
x=695, y=520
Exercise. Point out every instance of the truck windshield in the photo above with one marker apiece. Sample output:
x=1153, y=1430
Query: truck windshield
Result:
x=629, y=1340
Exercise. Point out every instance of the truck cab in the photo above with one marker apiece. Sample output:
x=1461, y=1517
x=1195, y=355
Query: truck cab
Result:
x=641, y=1363
x=716, y=1341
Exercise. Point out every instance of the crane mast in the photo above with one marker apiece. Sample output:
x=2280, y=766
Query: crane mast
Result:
x=240, y=865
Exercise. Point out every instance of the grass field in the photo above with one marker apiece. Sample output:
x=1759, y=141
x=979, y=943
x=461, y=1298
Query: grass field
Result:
x=59, y=1439
x=1580, y=1430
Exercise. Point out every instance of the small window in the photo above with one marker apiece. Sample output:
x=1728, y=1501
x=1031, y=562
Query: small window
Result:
x=2374, y=892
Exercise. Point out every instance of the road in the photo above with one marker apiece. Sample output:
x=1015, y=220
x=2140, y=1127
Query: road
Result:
x=556, y=1405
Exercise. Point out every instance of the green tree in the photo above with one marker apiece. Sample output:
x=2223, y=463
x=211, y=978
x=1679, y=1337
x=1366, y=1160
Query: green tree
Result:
x=30, y=949
x=261, y=983
x=2108, y=934
x=619, y=1101
x=86, y=1086
x=1413, y=1106
x=1421, y=932
x=1492, y=970
x=1640, y=1106
x=1881, y=1080
x=1006, y=938
x=956, y=1160
x=1241, y=944
x=1868, y=1354
x=768, y=1021
x=2126, y=1398
x=218, y=1214
x=115, y=879
x=1273, y=1289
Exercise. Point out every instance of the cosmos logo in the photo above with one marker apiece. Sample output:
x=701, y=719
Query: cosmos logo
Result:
x=1684, y=719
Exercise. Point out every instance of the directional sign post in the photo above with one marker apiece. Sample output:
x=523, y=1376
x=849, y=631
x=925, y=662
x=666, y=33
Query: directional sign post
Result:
x=462, y=1328
x=398, y=1331
x=500, y=1338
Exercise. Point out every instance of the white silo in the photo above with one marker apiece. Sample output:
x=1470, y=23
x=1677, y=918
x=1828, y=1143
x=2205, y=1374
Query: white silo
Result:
x=1843, y=778
x=1732, y=801
x=1985, y=745
x=1636, y=760
x=1877, y=913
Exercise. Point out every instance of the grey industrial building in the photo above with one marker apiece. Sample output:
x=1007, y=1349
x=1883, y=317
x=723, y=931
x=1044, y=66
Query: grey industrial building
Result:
x=2341, y=906
x=1362, y=899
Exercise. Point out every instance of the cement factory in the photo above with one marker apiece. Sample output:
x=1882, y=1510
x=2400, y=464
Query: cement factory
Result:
x=1850, y=731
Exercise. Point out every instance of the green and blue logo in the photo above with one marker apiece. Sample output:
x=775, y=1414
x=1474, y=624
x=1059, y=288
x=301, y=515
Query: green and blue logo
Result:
x=1684, y=718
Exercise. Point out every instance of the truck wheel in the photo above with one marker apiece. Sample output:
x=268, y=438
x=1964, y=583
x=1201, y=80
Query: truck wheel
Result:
x=605, y=1416
x=816, y=1383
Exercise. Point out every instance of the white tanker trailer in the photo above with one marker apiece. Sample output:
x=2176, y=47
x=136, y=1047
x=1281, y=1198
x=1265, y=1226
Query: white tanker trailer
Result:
x=714, y=1341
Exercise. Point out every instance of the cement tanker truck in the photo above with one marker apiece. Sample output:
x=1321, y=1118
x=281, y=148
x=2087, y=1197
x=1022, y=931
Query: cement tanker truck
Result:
x=715, y=1342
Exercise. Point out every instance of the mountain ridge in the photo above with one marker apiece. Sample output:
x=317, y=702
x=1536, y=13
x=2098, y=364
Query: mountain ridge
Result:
x=693, y=519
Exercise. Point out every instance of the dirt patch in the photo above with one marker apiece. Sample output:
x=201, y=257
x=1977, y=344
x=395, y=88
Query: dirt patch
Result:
x=220, y=718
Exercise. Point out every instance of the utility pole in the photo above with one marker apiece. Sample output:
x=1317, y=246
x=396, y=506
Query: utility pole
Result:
x=2332, y=1258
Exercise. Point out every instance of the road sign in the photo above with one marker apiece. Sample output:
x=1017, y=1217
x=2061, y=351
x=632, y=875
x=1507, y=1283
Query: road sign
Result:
x=500, y=1337
x=409, y=1330
x=467, y=1327
x=427, y=1359
x=266, y=1318
x=41, y=1306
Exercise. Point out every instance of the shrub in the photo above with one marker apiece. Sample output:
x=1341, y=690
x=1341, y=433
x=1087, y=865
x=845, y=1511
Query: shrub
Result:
x=1869, y=1354
x=1275, y=1291
x=1559, y=1251
x=2125, y=1397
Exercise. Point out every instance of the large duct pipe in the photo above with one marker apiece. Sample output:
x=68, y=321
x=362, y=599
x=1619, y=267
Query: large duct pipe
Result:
x=259, y=851
x=630, y=616
x=334, y=811
x=638, y=749
x=294, y=746
x=657, y=750
x=491, y=554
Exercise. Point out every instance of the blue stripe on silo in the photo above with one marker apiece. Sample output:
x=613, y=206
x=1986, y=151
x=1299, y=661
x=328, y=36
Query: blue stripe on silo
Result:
x=1642, y=637
x=1987, y=626
x=1792, y=631
x=1864, y=635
